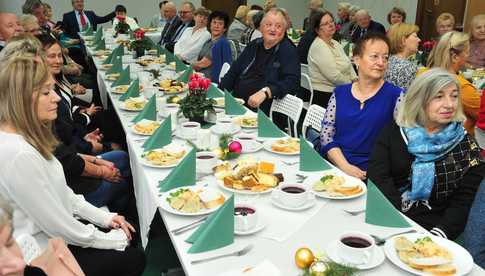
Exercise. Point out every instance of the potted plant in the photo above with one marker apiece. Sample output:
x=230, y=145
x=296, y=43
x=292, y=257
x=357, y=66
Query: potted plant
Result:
x=196, y=103
x=140, y=44
x=122, y=27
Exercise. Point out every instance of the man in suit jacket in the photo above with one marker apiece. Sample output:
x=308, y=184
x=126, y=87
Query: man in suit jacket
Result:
x=173, y=22
x=187, y=20
x=365, y=25
x=78, y=19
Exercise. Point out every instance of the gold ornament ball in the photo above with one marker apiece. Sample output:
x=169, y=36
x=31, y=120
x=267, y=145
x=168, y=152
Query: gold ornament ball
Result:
x=304, y=257
x=318, y=268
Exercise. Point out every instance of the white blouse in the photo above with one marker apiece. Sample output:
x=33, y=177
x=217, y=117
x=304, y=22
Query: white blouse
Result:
x=130, y=21
x=43, y=204
x=189, y=44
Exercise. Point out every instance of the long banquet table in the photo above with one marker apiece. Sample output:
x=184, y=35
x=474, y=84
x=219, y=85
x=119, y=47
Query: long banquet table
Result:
x=285, y=231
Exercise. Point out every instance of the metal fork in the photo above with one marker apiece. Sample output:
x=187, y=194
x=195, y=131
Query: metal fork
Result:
x=354, y=213
x=382, y=240
x=288, y=163
x=238, y=253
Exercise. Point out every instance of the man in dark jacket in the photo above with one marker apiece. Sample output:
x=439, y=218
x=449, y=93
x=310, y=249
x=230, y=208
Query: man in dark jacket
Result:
x=187, y=20
x=79, y=19
x=365, y=24
x=268, y=68
x=173, y=23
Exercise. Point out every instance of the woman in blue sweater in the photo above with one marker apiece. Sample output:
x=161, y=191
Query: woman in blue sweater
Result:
x=358, y=111
x=216, y=51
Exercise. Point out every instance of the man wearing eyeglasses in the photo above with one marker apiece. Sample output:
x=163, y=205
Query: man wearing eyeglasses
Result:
x=173, y=21
x=187, y=20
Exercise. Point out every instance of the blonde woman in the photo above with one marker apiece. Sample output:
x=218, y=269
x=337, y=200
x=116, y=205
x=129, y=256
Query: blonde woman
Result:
x=425, y=163
x=451, y=53
x=44, y=205
x=22, y=45
x=445, y=22
x=343, y=14
x=477, y=41
x=328, y=65
x=404, y=44
x=238, y=26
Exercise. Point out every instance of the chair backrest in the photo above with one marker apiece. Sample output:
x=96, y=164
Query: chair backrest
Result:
x=290, y=106
x=304, y=68
x=242, y=46
x=234, y=49
x=225, y=67
x=306, y=83
x=313, y=118
x=29, y=247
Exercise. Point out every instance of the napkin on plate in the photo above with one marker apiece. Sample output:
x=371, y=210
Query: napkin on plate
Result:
x=124, y=78
x=185, y=76
x=160, y=50
x=294, y=35
x=99, y=35
x=310, y=159
x=161, y=137
x=100, y=45
x=214, y=92
x=117, y=52
x=231, y=106
x=149, y=112
x=266, y=128
x=216, y=232
x=117, y=66
x=182, y=175
x=89, y=30
x=179, y=65
x=169, y=57
x=379, y=211
x=132, y=92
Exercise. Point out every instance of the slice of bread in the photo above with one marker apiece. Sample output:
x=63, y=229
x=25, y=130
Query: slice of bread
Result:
x=347, y=191
x=441, y=270
x=211, y=198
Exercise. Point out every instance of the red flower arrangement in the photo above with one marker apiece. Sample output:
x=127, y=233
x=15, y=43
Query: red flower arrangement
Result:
x=197, y=82
x=122, y=27
x=196, y=103
x=141, y=43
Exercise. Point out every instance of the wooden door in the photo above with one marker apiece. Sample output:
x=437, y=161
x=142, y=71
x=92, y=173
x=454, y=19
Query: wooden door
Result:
x=429, y=10
x=473, y=8
x=228, y=6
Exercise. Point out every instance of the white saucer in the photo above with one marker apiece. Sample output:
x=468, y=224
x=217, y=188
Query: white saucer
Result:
x=308, y=204
x=377, y=257
x=260, y=226
x=179, y=135
x=216, y=129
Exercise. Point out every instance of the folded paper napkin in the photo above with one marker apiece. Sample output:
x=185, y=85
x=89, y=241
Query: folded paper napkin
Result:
x=124, y=78
x=231, y=106
x=182, y=175
x=161, y=137
x=132, y=92
x=117, y=66
x=99, y=35
x=266, y=128
x=214, y=92
x=100, y=45
x=149, y=112
x=310, y=159
x=186, y=75
x=216, y=232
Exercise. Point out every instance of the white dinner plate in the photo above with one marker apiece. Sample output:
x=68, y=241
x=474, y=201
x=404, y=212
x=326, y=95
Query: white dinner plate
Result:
x=250, y=146
x=238, y=121
x=176, y=147
x=220, y=101
x=242, y=192
x=462, y=260
x=308, y=204
x=267, y=146
x=377, y=256
x=311, y=179
x=113, y=89
x=123, y=106
x=143, y=134
x=166, y=206
x=216, y=129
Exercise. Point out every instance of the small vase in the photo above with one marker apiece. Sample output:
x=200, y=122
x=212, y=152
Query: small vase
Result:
x=198, y=119
x=139, y=52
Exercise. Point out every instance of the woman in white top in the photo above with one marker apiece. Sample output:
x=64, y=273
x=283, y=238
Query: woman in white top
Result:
x=188, y=46
x=328, y=65
x=33, y=182
x=120, y=11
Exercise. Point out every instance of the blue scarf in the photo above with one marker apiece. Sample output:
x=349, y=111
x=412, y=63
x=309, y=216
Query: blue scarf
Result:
x=427, y=149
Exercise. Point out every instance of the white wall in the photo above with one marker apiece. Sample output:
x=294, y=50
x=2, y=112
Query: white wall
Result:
x=145, y=9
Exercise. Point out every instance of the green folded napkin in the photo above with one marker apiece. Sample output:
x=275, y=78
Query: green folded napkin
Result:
x=110, y=57
x=214, y=92
x=160, y=50
x=99, y=35
x=89, y=30
x=179, y=65
x=161, y=137
x=186, y=75
x=182, y=175
x=169, y=57
x=311, y=160
x=294, y=34
x=132, y=92
x=231, y=106
x=117, y=66
x=216, y=232
x=266, y=128
x=347, y=49
x=124, y=78
x=379, y=211
x=149, y=112
x=100, y=45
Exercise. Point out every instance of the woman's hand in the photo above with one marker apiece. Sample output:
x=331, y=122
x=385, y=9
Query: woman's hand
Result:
x=256, y=99
x=111, y=174
x=354, y=171
x=78, y=89
x=120, y=222
x=91, y=110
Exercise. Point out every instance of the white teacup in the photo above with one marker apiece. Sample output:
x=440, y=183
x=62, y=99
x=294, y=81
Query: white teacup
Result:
x=148, y=92
x=225, y=124
x=168, y=109
x=355, y=248
x=206, y=160
x=245, y=217
x=189, y=130
x=291, y=195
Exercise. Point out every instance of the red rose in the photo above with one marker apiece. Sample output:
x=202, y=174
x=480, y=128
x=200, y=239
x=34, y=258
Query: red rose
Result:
x=204, y=83
x=120, y=18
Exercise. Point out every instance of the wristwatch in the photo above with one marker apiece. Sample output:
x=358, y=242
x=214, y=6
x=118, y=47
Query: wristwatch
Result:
x=266, y=92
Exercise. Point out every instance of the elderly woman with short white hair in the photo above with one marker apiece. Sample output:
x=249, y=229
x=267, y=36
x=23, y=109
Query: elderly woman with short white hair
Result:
x=238, y=25
x=425, y=163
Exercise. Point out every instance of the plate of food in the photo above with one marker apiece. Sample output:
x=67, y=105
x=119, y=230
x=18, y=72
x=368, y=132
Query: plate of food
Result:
x=425, y=254
x=247, y=121
x=285, y=146
x=145, y=61
x=166, y=157
x=192, y=200
x=220, y=102
x=112, y=76
x=134, y=104
x=332, y=184
x=120, y=89
x=100, y=53
x=247, y=177
x=105, y=67
x=150, y=30
x=171, y=86
x=145, y=127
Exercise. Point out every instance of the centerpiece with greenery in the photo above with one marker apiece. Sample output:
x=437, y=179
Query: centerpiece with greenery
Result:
x=141, y=43
x=122, y=27
x=196, y=103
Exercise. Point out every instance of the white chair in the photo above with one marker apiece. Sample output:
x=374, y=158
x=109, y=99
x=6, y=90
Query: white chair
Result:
x=306, y=83
x=290, y=106
x=224, y=69
x=304, y=68
x=313, y=119
x=29, y=247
